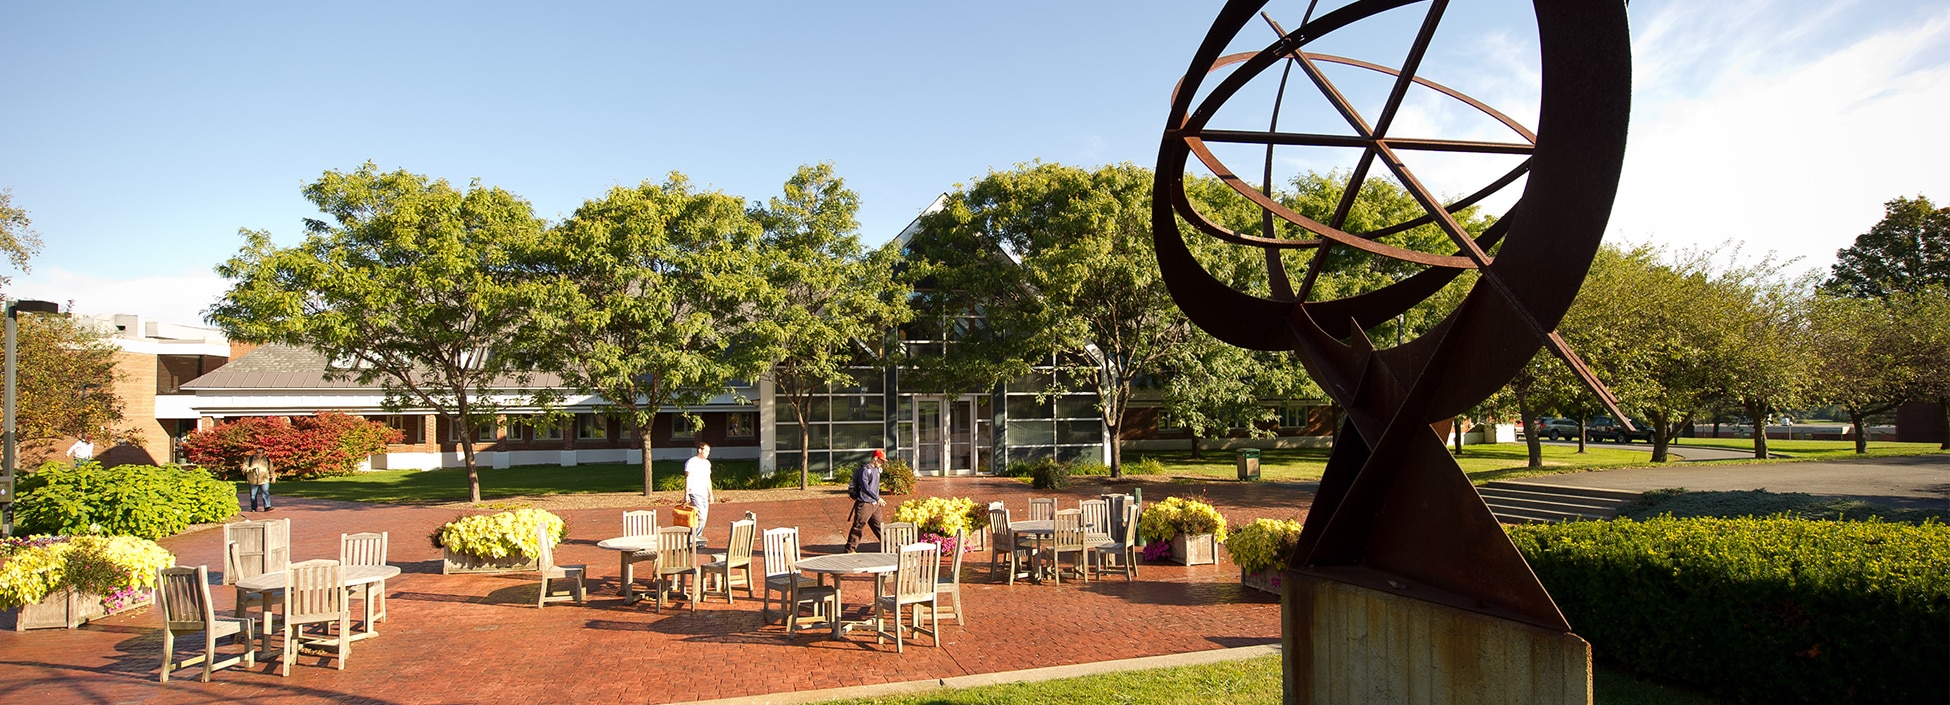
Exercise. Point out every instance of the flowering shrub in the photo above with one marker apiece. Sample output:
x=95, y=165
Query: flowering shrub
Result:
x=330, y=443
x=1155, y=551
x=499, y=535
x=115, y=566
x=1175, y=515
x=897, y=477
x=943, y=515
x=947, y=544
x=1263, y=544
x=131, y=500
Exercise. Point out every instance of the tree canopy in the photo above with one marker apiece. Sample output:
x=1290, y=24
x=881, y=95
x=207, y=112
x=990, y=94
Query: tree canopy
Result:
x=1907, y=251
x=18, y=242
x=409, y=282
x=67, y=382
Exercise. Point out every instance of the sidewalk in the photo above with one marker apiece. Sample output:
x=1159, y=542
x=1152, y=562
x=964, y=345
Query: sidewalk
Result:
x=479, y=638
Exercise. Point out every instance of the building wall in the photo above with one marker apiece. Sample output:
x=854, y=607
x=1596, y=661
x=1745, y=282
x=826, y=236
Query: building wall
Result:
x=137, y=390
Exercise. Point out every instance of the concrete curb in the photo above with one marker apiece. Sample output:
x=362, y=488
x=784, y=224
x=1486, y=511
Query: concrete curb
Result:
x=1032, y=675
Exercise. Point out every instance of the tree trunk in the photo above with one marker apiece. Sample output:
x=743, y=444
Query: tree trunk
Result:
x=643, y=438
x=1659, y=437
x=1116, y=451
x=467, y=456
x=805, y=453
x=1529, y=421
x=1757, y=411
x=1943, y=416
x=1861, y=439
x=1195, y=445
x=1582, y=432
x=1458, y=422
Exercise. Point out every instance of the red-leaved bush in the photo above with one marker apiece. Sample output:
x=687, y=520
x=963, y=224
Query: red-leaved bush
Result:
x=330, y=443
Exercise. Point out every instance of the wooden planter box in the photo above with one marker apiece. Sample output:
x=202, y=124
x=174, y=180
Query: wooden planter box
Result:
x=1202, y=549
x=68, y=609
x=452, y=563
x=1266, y=580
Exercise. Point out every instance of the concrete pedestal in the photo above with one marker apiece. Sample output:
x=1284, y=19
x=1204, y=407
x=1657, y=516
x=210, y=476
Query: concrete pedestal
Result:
x=1351, y=645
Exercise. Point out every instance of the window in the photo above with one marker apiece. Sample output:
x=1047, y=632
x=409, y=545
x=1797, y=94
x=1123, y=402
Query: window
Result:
x=740, y=425
x=1293, y=415
x=487, y=432
x=683, y=427
x=591, y=427
x=412, y=429
x=540, y=429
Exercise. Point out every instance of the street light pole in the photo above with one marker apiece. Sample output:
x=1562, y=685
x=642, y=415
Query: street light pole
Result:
x=7, y=440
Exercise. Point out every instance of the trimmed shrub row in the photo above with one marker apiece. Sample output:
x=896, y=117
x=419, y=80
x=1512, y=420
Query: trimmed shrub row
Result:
x=129, y=500
x=1759, y=610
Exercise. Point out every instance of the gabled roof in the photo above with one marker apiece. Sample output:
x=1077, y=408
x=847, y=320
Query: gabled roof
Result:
x=286, y=367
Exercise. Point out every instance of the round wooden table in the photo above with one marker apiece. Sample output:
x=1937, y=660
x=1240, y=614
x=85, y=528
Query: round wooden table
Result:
x=631, y=548
x=836, y=565
x=361, y=576
x=1036, y=530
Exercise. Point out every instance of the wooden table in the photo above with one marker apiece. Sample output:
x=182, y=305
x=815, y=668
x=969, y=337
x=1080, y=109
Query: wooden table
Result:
x=630, y=548
x=361, y=576
x=1035, y=529
x=836, y=565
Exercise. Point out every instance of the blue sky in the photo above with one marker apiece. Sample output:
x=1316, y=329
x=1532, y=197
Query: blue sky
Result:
x=140, y=137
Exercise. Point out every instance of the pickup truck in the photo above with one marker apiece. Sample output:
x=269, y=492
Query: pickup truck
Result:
x=1603, y=428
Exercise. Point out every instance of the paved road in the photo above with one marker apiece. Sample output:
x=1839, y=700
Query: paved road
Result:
x=1922, y=480
x=1683, y=452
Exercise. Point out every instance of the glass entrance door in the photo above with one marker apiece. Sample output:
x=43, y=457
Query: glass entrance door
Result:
x=929, y=450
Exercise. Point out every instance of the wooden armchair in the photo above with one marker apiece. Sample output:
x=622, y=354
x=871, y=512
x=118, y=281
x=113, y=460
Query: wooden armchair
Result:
x=1002, y=542
x=1069, y=538
x=314, y=594
x=676, y=558
x=782, y=574
x=1042, y=508
x=545, y=564
x=1096, y=521
x=251, y=549
x=737, y=557
x=897, y=534
x=366, y=549
x=183, y=597
x=948, y=588
x=1124, y=549
x=914, y=584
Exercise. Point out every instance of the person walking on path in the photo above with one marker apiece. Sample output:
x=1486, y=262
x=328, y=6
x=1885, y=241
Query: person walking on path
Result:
x=865, y=492
x=257, y=472
x=82, y=451
x=697, y=488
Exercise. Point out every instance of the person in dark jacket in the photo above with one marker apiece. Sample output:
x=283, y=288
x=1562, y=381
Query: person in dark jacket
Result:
x=865, y=492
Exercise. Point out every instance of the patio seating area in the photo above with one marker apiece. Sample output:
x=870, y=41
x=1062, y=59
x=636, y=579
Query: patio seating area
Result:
x=455, y=638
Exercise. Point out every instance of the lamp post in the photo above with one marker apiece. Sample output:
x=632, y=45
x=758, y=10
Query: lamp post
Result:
x=7, y=440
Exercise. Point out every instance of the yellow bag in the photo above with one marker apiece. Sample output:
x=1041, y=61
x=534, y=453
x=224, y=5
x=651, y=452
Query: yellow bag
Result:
x=684, y=515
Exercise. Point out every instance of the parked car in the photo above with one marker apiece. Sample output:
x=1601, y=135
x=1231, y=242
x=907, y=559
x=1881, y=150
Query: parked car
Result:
x=1604, y=429
x=1556, y=428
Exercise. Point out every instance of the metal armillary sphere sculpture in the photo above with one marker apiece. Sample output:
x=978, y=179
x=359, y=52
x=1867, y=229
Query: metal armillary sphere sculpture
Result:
x=1394, y=512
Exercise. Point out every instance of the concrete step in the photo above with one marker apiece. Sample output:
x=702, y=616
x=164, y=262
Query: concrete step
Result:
x=1522, y=502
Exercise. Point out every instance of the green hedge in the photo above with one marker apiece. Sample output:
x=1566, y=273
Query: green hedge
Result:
x=1772, y=610
x=127, y=500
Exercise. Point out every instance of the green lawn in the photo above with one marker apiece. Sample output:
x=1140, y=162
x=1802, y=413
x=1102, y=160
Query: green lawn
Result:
x=1816, y=450
x=415, y=486
x=1482, y=463
x=1250, y=681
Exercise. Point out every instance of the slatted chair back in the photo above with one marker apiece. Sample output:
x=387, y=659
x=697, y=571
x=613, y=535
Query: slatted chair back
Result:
x=739, y=554
x=917, y=572
x=1000, y=537
x=367, y=549
x=1042, y=508
x=961, y=546
x=675, y=550
x=898, y=534
x=1069, y=531
x=1130, y=537
x=545, y=556
x=314, y=591
x=781, y=551
x=640, y=522
x=1096, y=516
x=253, y=548
x=1117, y=504
x=183, y=594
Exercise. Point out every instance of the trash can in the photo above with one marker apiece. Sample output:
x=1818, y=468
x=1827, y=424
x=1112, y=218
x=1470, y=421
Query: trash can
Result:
x=1248, y=463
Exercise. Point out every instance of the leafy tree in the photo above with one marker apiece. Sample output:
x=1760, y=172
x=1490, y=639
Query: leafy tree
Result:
x=1862, y=352
x=1907, y=251
x=67, y=380
x=1771, y=367
x=411, y=283
x=1211, y=387
x=1926, y=314
x=17, y=241
x=329, y=443
x=653, y=301
x=832, y=302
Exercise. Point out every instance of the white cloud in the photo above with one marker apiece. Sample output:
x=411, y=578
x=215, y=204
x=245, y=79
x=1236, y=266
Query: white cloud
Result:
x=168, y=299
x=1741, y=132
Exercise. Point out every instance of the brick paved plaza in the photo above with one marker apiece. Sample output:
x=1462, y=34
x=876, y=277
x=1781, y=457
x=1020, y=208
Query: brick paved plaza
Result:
x=479, y=638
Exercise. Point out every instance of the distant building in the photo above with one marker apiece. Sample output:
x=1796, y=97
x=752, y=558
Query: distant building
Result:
x=154, y=360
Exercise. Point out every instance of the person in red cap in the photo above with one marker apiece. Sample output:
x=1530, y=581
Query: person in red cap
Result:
x=865, y=492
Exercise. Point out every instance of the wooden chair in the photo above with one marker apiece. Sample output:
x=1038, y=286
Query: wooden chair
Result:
x=366, y=549
x=1124, y=549
x=1042, y=508
x=183, y=597
x=782, y=573
x=738, y=556
x=1068, y=539
x=314, y=593
x=1096, y=521
x=949, y=586
x=545, y=564
x=1002, y=542
x=914, y=584
x=251, y=549
x=676, y=557
x=894, y=535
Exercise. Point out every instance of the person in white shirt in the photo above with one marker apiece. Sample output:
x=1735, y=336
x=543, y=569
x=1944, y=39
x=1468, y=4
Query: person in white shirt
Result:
x=697, y=488
x=82, y=451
